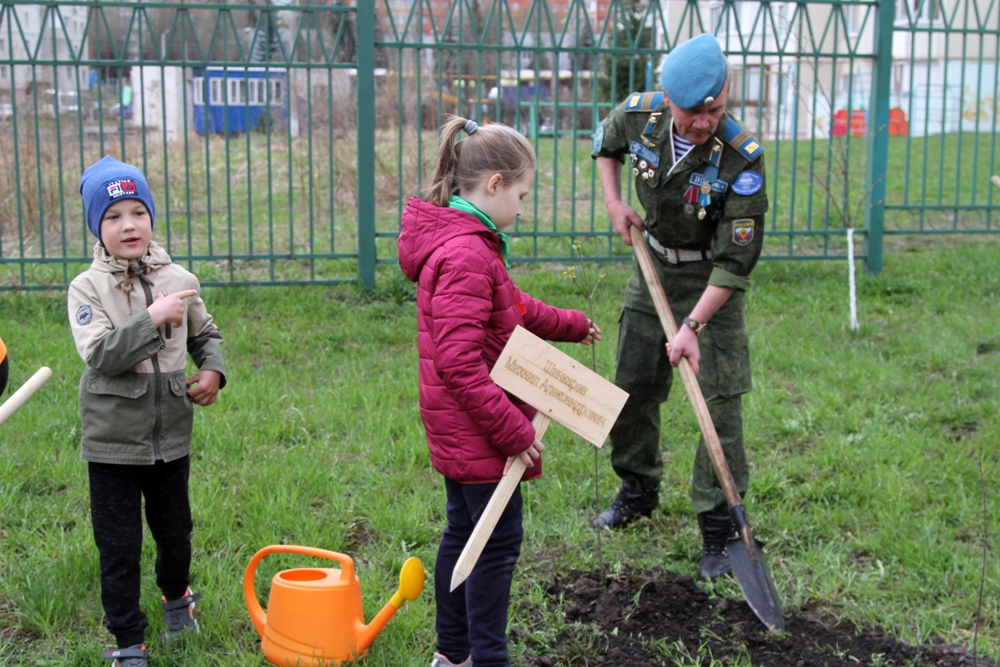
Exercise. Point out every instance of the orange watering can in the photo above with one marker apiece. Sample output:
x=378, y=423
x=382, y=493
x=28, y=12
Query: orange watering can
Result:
x=314, y=615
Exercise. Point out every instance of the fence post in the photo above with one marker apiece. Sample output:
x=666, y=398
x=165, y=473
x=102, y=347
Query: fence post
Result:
x=366, y=142
x=878, y=137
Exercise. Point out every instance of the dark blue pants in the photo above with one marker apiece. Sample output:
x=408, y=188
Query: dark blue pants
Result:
x=116, y=494
x=472, y=619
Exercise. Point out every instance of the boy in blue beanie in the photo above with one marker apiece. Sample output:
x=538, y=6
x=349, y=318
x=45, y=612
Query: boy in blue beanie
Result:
x=135, y=317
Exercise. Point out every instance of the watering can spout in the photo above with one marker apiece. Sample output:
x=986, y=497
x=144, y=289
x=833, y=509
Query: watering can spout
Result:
x=411, y=583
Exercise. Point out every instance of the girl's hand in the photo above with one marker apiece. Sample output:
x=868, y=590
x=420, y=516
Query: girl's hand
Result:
x=593, y=335
x=532, y=452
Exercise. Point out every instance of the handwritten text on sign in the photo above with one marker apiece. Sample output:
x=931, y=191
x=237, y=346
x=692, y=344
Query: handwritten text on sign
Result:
x=559, y=386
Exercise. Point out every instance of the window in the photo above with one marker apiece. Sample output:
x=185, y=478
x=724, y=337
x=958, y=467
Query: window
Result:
x=277, y=92
x=855, y=16
x=237, y=91
x=3, y=73
x=258, y=91
x=199, y=89
x=749, y=87
x=716, y=16
x=216, y=92
x=918, y=11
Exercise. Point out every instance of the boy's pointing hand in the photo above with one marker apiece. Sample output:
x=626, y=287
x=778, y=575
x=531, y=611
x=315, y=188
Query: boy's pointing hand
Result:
x=169, y=308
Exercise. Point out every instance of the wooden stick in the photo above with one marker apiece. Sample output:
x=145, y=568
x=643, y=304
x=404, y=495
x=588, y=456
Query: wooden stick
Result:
x=697, y=399
x=21, y=396
x=498, y=503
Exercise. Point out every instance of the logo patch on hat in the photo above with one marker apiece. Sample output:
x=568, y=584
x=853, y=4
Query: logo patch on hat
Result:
x=84, y=314
x=748, y=183
x=743, y=231
x=125, y=188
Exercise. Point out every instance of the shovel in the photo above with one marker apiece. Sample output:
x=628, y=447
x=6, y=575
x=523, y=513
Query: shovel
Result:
x=745, y=552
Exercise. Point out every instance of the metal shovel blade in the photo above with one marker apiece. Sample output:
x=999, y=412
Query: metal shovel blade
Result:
x=755, y=581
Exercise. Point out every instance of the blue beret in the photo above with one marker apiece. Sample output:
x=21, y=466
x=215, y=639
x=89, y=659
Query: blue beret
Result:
x=105, y=182
x=694, y=72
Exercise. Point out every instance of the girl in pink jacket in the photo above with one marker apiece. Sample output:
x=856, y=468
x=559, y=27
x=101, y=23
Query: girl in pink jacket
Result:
x=453, y=246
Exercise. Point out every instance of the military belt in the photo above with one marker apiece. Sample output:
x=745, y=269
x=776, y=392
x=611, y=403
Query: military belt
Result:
x=677, y=255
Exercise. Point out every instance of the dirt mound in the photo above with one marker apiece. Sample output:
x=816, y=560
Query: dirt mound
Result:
x=660, y=618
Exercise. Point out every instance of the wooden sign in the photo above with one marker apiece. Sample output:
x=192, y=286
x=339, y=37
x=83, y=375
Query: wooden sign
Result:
x=559, y=386
x=561, y=389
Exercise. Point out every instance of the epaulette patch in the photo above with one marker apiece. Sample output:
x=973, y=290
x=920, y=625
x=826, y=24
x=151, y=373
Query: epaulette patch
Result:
x=643, y=101
x=743, y=141
x=654, y=118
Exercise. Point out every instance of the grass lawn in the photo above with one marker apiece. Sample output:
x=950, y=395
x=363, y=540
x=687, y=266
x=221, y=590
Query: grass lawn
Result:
x=875, y=461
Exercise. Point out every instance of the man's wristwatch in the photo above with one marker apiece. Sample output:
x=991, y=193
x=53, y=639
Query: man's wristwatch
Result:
x=695, y=326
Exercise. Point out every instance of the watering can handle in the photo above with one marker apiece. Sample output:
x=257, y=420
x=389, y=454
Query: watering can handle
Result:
x=257, y=616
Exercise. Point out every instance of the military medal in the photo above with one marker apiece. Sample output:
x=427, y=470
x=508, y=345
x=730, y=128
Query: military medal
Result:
x=707, y=181
x=689, y=209
x=644, y=160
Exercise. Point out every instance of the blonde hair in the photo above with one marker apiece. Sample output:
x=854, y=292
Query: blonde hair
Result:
x=490, y=149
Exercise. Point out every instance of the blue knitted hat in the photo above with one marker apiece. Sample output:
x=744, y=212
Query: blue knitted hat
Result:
x=107, y=181
x=694, y=72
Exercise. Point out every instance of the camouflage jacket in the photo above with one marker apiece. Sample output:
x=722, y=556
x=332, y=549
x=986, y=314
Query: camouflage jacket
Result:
x=713, y=199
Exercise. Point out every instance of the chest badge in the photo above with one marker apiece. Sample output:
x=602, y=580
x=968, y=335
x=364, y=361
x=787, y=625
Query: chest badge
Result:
x=644, y=160
x=748, y=183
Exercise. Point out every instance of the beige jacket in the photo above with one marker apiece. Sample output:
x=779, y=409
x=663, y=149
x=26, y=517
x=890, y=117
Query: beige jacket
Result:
x=133, y=395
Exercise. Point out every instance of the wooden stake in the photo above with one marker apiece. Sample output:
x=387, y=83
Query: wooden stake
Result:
x=21, y=396
x=498, y=503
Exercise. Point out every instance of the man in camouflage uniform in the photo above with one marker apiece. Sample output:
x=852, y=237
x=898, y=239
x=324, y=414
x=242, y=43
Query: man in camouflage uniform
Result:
x=700, y=179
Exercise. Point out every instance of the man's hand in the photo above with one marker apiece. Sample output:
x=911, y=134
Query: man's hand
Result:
x=532, y=452
x=685, y=345
x=622, y=217
x=169, y=308
x=205, y=387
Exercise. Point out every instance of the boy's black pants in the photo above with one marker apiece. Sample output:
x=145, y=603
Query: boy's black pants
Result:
x=116, y=494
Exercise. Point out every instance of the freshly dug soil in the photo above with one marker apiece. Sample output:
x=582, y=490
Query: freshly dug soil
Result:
x=642, y=619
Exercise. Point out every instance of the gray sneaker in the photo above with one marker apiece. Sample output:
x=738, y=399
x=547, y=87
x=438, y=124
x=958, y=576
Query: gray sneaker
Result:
x=133, y=656
x=179, y=616
x=440, y=661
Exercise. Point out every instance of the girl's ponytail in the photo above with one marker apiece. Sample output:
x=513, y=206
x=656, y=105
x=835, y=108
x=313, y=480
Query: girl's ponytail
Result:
x=444, y=181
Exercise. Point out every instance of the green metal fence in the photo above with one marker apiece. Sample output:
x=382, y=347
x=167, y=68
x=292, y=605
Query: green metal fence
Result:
x=282, y=140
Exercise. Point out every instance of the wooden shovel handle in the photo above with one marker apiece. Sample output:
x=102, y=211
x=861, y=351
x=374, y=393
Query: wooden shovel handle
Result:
x=687, y=373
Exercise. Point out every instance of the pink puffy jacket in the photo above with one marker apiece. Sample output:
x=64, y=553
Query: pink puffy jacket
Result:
x=467, y=308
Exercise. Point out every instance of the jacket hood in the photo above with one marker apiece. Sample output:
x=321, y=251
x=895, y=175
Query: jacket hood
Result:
x=426, y=227
x=154, y=258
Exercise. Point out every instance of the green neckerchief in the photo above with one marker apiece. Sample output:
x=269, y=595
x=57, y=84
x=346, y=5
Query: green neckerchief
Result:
x=465, y=205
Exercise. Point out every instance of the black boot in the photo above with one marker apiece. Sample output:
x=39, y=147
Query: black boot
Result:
x=630, y=503
x=716, y=529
